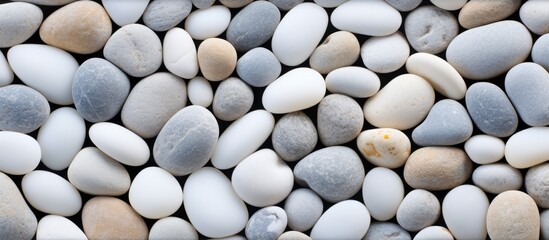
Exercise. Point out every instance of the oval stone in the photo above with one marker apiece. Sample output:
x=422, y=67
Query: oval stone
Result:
x=339, y=119
x=6, y=74
x=200, y=92
x=50, y=193
x=449, y=5
x=464, y=210
x=476, y=13
x=534, y=14
x=124, y=12
x=19, y=221
x=385, y=54
x=434, y=232
x=20, y=153
x=330, y=226
x=534, y=182
x=418, y=210
x=303, y=208
x=216, y=58
x=383, y=192
x=513, y=215
x=19, y=22
x=253, y=25
x=57, y=227
x=23, y=109
x=294, y=235
x=526, y=148
x=339, y=49
x=267, y=223
x=258, y=67
x=165, y=14
x=179, y=53
x=208, y=22
x=384, y=147
x=484, y=149
x=233, y=98
x=294, y=136
x=173, y=228
x=497, y=178
x=372, y=18
x=430, y=29
x=540, y=51
x=353, y=81
x=119, y=143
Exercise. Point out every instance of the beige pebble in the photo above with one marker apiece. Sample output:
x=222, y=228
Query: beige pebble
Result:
x=384, y=147
x=340, y=49
x=216, y=58
x=481, y=12
x=293, y=235
x=513, y=215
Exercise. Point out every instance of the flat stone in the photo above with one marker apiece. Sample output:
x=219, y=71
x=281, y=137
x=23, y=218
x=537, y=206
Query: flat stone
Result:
x=294, y=136
x=404, y=5
x=172, y=228
x=386, y=231
x=513, y=215
x=540, y=51
x=303, y=208
x=201, y=4
x=534, y=14
x=19, y=22
x=339, y=119
x=18, y=220
x=258, y=67
x=233, y=98
x=267, y=223
x=37, y=187
x=235, y=3
x=216, y=58
x=385, y=54
x=161, y=15
x=23, y=109
x=253, y=26
x=430, y=29
x=340, y=49
x=499, y=177
x=481, y=12
x=372, y=18
x=526, y=148
x=418, y=210
x=384, y=147
x=286, y=5
x=534, y=182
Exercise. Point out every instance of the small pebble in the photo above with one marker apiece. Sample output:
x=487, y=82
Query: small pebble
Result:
x=484, y=149
x=201, y=4
x=339, y=119
x=294, y=136
x=434, y=233
x=57, y=227
x=294, y=235
x=19, y=22
x=430, y=29
x=356, y=82
x=22, y=109
x=464, y=210
x=303, y=208
x=172, y=228
x=119, y=143
x=235, y=3
x=384, y=147
x=179, y=53
x=253, y=26
x=208, y=22
x=513, y=215
x=385, y=54
x=19, y=221
x=534, y=182
x=376, y=18
x=123, y=12
x=386, y=231
x=418, y=210
x=340, y=49
x=527, y=148
x=266, y=223
x=329, y=226
x=233, y=99
x=216, y=58
x=286, y=5
x=51, y=193
x=20, y=153
x=258, y=67
x=540, y=51
x=161, y=15
x=481, y=12
x=200, y=92
x=535, y=15
x=449, y=5
x=383, y=192
x=404, y=5
x=6, y=74
x=497, y=178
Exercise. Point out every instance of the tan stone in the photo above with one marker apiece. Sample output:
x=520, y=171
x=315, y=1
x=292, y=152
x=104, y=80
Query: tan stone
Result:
x=384, y=147
x=235, y=3
x=17, y=219
x=340, y=49
x=513, y=215
x=481, y=12
x=216, y=58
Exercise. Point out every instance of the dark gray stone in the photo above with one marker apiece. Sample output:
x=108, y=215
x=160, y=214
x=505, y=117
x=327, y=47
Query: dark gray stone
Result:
x=386, y=231
x=535, y=182
x=258, y=67
x=253, y=25
x=161, y=15
x=286, y=5
x=430, y=29
x=266, y=224
x=17, y=221
x=303, y=208
x=202, y=4
x=294, y=136
x=22, y=108
x=233, y=99
x=404, y=5
x=339, y=119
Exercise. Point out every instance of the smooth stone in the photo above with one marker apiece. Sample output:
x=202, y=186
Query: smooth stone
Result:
x=286, y=5
x=294, y=136
x=339, y=119
x=384, y=147
x=540, y=51
x=233, y=237
x=339, y=49
x=99, y=90
x=119, y=143
x=208, y=22
x=187, y=141
x=287, y=94
x=477, y=13
x=335, y=173
x=6, y=74
x=303, y=208
x=47, y=69
x=447, y=123
x=233, y=99
x=439, y=73
x=47, y=2
x=152, y=102
x=253, y=25
x=294, y=235
x=23, y=109
x=491, y=110
x=258, y=67
x=437, y=168
x=485, y=149
x=165, y=14
x=90, y=163
x=404, y=5
x=179, y=53
x=475, y=53
x=267, y=223
x=534, y=14
x=534, y=182
x=434, y=233
x=330, y=226
x=135, y=49
x=235, y=3
x=385, y=54
x=418, y=210
x=356, y=82
x=386, y=231
x=200, y=92
x=211, y=204
x=497, y=178
x=216, y=58
x=513, y=215
x=57, y=227
x=430, y=29
x=330, y=3
x=544, y=217
x=20, y=153
x=50, y=193
x=526, y=148
x=464, y=210
x=61, y=137
x=372, y=18
x=298, y=33
x=98, y=221
x=18, y=220
x=383, y=192
x=172, y=228
x=201, y=4
x=449, y=5
x=19, y=22
x=415, y=99
x=125, y=12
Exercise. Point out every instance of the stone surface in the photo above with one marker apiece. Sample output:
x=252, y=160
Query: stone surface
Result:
x=384, y=147
x=430, y=29
x=57, y=227
x=233, y=98
x=6, y=74
x=303, y=208
x=339, y=119
x=258, y=67
x=383, y=192
x=48, y=2
x=38, y=186
x=201, y=4
x=286, y=5
x=20, y=153
x=534, y=14
x=404, y=5
x=540, y=51
x=485, y=149
x=19, y=22
x=372, y=18
x=18, y=221
x=357, y=82
x=464, y=210
x=330, y=3
x=434, y=232
x=339, y=49
x=267, y=223
x=235, y=3
x=544, y=217
x=330, y=226
x=513, y=215
x=179, y=53
x=208, y=22
x=161, y=15
x=534, y=182
x=120, y=143
x=294, y=235
x=200, y=92
x=386, y=231
x=526, y=148
x=497, y=178
x=449, y=5
x=385, y=54
x=418, y=210
x=216, y=58
x=125, y=12
x=294, y=136
x=481, y=12
x=253, y=25
x=172, y=228
x=22, y=109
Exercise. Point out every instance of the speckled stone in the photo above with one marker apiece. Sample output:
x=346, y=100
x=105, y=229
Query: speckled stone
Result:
x=535, y=183
x=235, y=3
x=253, y=26
x=216, y=58
x=202, y=4
x=161, y=15
x=172, y=228
x=267, y=223
x=513, y=215
x=22, y=108
x=386, y=231
x=233, y=98
x=335, y=173
x=481, y=12
x=544, y=219
x=340, y=49
x=540, y=51
x=430, y=29
x=404, y=5
x=286, y=5
x=18, y=220
x=258, y=67
x=294, y=136
x=18, y=23
x=99, y=90
x=384, y=147
x=294, y=235
x=303, y=208
x=497, y=178
x=339, y=119
x=418, y=210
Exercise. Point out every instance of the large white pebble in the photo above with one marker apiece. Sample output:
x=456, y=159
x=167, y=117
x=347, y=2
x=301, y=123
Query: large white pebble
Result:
x=434, y=233
x=179, y=53
x=464, y=210
x=200, y=92
x=348, y=219
x=6, y=74
x=450, y=5
x=299, y=33
x=353, y=81
x=212, y=205
x=20, y=153
x=383, y=192
x=296, y=90
x=53, y=227
x=373, y=18
x=528, y=147
x=207, y=23
x=51, y=193
x=47, y=69
x=485, y=149
x=385, y=54
x=120, y=143
x=124, y=12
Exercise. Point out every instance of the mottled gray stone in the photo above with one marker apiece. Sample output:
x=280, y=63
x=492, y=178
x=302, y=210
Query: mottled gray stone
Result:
x=187, y=141
x=535, y=183
x=172, y=228
x=161, y=15
x=235, y=3
x=447, y=123
x=418, y=210
x=335, y=173
x=540, y=51
x=497, y=178
x=527, y=86
x=233, y=98
x=430, y=29
x=18, y=23
x=491, y=110
x=253, y=25
x=294, y=136
x=339, y=119
x=258, y=67
x=286, y=5
x=22, y=108
x=386, y=231
x=202, y=4
x=544, y=217
x=303, y=208
x=404, y=5
x=17, y=221
x=267, y=223
x=99, y=90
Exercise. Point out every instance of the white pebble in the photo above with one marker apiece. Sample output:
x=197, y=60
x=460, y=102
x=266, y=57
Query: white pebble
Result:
x=6, y=74
x=125, y=12
x=434, y=233
x=155, y=193
x=348, y=219
x=179, y=53
x=528, y=147
x=464, y=210
x=353, y=81
x=385, y=54
x=485, y=149
x=207, y=23
x=50, y=193
x=20, y=153
x=200, y=92
x=120, y=143
x=53, y=227
x=383, y=192
x=373, y=18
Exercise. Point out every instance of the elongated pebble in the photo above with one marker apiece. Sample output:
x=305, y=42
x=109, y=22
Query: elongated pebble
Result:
x=233, y=98
x=434, y=232
x=430, y=29
x=303, y=208
x=497, y=178
x=19, y=22
x=200, y=92
x=440, y=74
x=383, y=192
x=165, y=14
x=385, y=54
x=464, y=210
x=481, y=12
x=386, y=231
x=6, y=74
x=294, y=136
x=353, y=81
x=23, y=109
x=384, y=147
x=540, y=51
x=339, y=119
x=208, y=22
x=124, y=13
x=535, y=186
x=50, y=193
x=267, y=223
x=253, y=25
x=179, y=53
x=258, y=67
x=57, y=227
x=418, y=210
x=485, y=149
x=526, y=148
x=172, y=228
x=20, y=153
x=330, y=226
x=339, y=49
x=372, y=18
x=20, y=222
x=119, y=143
x=513, y=215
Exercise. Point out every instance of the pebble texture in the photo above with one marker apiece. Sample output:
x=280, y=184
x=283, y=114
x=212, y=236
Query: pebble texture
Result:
x=353, y=81
x=253, y=26
x=384, y=147
x=161, y=15
x=430, y=29
x=267, y=223
x=23, y=109
x=18, y=221
x=294, y=235
x=340, y=49
x=481, y=12
x=201, y=4
x=418, y=210
x=404, y=5
x=339, y=119
x=235, y=3
x=232, y=99
x=540, y=51
x=535, y=15
x=513, y=215
x=19, y=22
x=172, y=228
x=216, y=58
x=294, y=136
x=385, y=54
x=497, y=178
x=535, y=184
x=303, y=208
x=544, y=217
x=286, y=5
x=258, y=67
x=386, y=231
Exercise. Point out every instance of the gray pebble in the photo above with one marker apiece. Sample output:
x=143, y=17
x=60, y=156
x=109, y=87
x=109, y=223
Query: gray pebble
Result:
x=527, y=85
x=418, y=210
x=447, y=123
x=253, y=25
x=286, y=5
x=267, y=223
x=497, y=178
x=161, y=15
x=202, y=4
x=232, y=99
x=235, y=3
x=430, y=29
x=404, y=5
x=18, y=23
x=386, y=231
x=18, y=220
x=99, y=90
x=258, y=67
x=544, y=217
x=491, y=110
x=303, y=208
x=294, y=136
x=152, y=102
x=187, y=141
x=335, y=173
x=540, y=51
x=172, y=228
x=339, y=119
x=22, y=108
x=535, y=183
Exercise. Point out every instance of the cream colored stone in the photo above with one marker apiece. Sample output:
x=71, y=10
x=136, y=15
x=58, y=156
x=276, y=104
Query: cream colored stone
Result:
x=513, y=215
x=481, y=12
x=216, y=58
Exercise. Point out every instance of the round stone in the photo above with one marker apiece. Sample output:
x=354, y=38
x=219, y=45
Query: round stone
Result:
x=434, y=232
x=385, y=54
x=418, y=210
x=258, y=67
x=526, y=148
x=383, y=192
x=286, y=5
x=232, y=99
x=253, y=25
x=303, y=208
x=51, y=193
x=216, y=58
x=534, y=14
x=384, y=147
x=19, y=22
x=294, y=235
x=464, y=211
x=386, y=231
x=535, y=184
x=23, y=109
x=340, y=49
x=513, y=215
x=172, y=228
x=200, y=92
x=208, y=22
x=498, y=177
x=481, y=12
x=19, y=221
x=329, y=226
x=294, y=136
x=179, y=53
x=20, y=153
x=339, y=119
x=484, y=149
x=267, y=223
x=161, y=15
x=430, y=29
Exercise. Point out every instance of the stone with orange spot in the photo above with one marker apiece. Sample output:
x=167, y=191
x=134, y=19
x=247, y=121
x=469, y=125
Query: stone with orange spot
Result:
x=384, y=147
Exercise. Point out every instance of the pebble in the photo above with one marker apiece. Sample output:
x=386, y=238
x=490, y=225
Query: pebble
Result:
x=135, y=49
x=152, y=102
x=464, y=210
x=216, y=58
x=6, y=74
x=497, y=178
x=534, y=182
x=513, y=215
x=202, y=4
x=172, y=228
x=50, y=193
x=123, y=12
x=211, y=204
x=99, y=90
x=262, y=179
x=404, y=6
x=90, y=163
x=19, y=221
x=430, y=29
x=386, y=231
x=20, y=153
x=383, y=192
x=294, y=235
x=330, y=3
x=339, y=119
x=46, y=69
x=475, y=53
x=540, y=51
x=233, y=99
x=437, y=168
x=491, y=110
x=19, y=22
x=208, y=22
x=267, y=223
x=303, y=208
x=330, y=226
x=258, y=67
x=526, y=148
x=449, y=5
x=339, y=49
x=385, y=54
x=535, y=15
x=99, y=223
x=294, y=136
x=335, y=173
x=48, y=2
x=179, y=53
x=356, y=82
x=439, y=73
x=418, y=210
x=57, y=227
x=286, y=5
x=187, y=141
x=434, y=233
x=476, y=13
x=384, y=147
x=200, y=92
x=414, y=98
x=253, y=26
x=119, y=143
x=22, y=108
x=372, y=18
x=485, y=149
x=448, y=123
x=161, y=15
x=544, y=216
x=61, y=137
